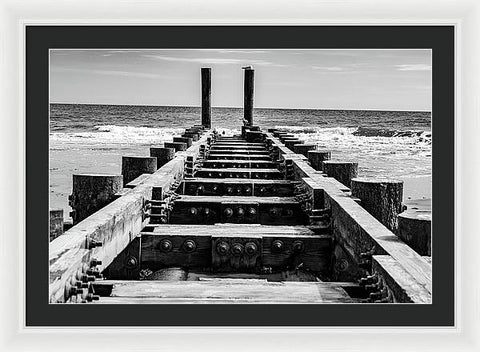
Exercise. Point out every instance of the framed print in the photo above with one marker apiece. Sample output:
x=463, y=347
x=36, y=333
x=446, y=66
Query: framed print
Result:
x=259, y=177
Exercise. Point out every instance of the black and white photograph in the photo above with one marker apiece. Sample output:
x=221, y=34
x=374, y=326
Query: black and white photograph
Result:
x=240, y=176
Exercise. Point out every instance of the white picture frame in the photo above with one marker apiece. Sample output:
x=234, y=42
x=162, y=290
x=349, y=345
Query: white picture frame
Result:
x=463, y=14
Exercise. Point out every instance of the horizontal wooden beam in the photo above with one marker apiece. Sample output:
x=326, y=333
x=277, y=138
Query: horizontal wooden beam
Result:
x=224, y=291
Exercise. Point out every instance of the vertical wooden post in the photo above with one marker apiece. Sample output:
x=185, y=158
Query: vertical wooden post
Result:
x=206, y=97
x=303, y=148
x=91, y=193
x=248, y=96
x=381, y=198
x=341, y=171
x=134, y=166
x=163, y=155
x=317, y=157
x=415, y=229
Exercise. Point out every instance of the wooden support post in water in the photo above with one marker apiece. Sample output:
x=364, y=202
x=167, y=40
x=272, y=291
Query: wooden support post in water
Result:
x=56, y=223
x=178, y=146
x=91, y=193
x=248, y=96
x=187, y=140
x=381, y=198
x=341, y=171
x=206, y=97
x=414, y=228
x=163, y=155
x=317, y=157
x=303, y=148
x=134, y=166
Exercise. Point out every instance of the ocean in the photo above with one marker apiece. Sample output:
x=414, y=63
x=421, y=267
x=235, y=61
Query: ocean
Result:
x=92, y=139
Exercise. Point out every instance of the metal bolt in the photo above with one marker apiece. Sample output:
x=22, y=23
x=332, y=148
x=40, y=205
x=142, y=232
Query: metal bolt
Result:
x=248, y=190
x=193, y=211
x=237, y=249
x=277, y=246
x=223, y=247
x=298, y=246
x=93, y=244
x=95, y=262
x=91, y=297
x=189, y=246
x=166, y=245
x=250, y=248
x=87, y=278
x=206, y=211
x=274, y=212
x=228, y=212
x=229, y=190
x=200, y=189
x=252, y=211
x=80, y=284
x=240, y=212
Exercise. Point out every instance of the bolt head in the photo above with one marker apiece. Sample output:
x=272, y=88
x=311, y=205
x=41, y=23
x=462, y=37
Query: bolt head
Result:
x=251, y=248
x=228, y=212
x=277, y=246
x=237, y=249
x=298, y=246
x=223, y=248
x=240, y=212
x=193, y=211
x=166, y=245
x=189, y=246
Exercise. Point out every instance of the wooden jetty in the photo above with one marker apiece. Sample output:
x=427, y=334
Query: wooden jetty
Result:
x=260, y=217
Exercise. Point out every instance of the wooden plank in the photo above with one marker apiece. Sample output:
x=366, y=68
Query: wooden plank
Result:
x=231, y=229
x=402, y=285
x=239, y=157
x=248, y=146
x=237, y=151
x=239, y=173
x=224, y=291
x=238, y=199
x=228, y=163
x=114, y=226
x=314, y=254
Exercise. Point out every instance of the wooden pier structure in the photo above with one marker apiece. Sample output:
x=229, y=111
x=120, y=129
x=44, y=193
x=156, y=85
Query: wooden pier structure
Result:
x=259, y=217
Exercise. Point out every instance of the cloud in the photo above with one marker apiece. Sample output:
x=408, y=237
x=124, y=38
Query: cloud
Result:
x=329, y=68
x=414, y=67
x=215, y=60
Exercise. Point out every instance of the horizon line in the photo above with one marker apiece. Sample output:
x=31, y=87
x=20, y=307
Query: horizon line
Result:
x=241, y=107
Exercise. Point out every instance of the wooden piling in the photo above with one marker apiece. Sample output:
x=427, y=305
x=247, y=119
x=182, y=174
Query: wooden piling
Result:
x=134, y=166
x=206, y=97
x=56, y=223
x=178, y=146
x=91, y=193
x=163, y=155
x=317, y=157
x=380, y=197
x=186, y=140
x=414, y=228
x=303, y=148
x=248, y=97
x=341, y=171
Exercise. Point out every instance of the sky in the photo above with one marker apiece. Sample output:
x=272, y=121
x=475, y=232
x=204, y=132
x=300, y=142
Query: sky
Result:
x=310, y=79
